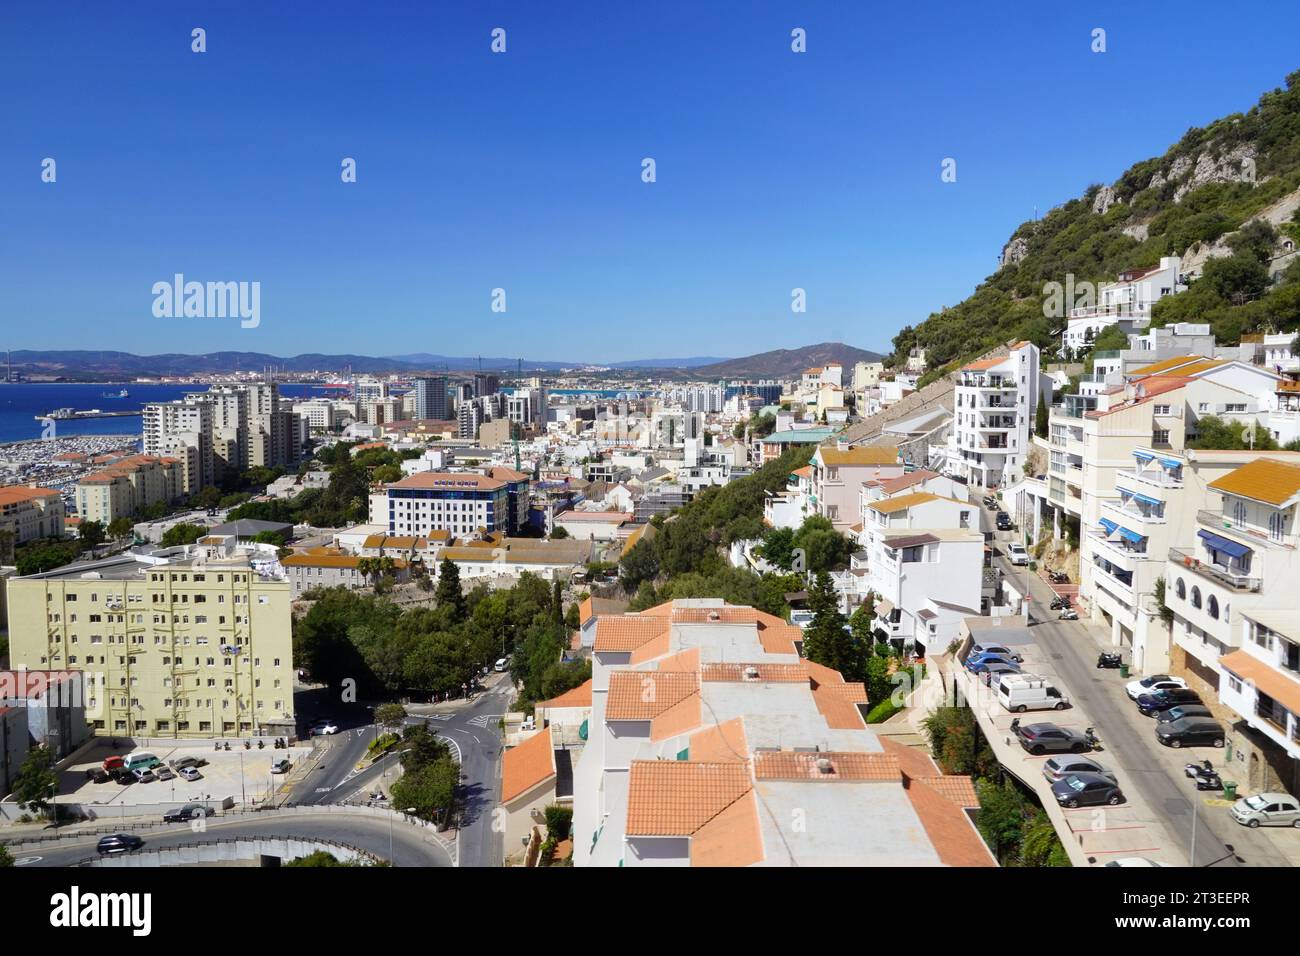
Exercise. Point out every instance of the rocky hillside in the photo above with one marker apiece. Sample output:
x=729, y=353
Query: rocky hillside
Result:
x=1223, y=199
x=784, y=363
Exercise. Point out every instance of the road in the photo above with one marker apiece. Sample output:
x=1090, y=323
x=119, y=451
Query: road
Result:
x=1130, y=741
x=471, y=729
x=411, y=846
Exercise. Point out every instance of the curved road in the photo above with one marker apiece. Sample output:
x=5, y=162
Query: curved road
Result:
x=411, y=846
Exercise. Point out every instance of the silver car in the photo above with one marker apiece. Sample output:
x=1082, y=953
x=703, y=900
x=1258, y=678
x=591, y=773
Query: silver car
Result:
x=1268, y=810
x=1058, y=767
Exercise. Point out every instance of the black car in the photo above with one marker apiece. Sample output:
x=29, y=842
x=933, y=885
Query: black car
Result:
x=98, y=775
x=1152, y=704
x=187, y=812
x=119, y=843
x=1051, y=738
x=1190, y=732
x=1087, y=790
x=123, y=776
x=1004, y=521
x=1181, y=711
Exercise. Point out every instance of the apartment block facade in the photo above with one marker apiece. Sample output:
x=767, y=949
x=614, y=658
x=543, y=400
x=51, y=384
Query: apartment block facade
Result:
x=128, y=486
x=995, y=403
x=185, y=643
x=30, y=513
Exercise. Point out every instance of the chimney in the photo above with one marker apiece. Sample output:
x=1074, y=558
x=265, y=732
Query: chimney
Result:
x=824, y=765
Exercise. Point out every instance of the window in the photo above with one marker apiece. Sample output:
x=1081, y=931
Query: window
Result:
x=1196, y=596
x=1276, y=522
x=1180, y=589
x=1212, y=607
x=1162, y=409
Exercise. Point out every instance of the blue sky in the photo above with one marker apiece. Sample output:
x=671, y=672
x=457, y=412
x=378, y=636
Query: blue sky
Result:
x=522, y=170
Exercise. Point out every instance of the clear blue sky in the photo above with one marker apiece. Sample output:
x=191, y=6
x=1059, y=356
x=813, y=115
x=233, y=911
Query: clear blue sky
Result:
x=522, y=170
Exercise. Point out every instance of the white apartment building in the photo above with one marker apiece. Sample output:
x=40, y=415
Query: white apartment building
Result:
x=1126, y=301
x=1261, y=683
x=709, y=732
x=183, y=430
x=993, y=419
x=1242, y=563
x=789, y=508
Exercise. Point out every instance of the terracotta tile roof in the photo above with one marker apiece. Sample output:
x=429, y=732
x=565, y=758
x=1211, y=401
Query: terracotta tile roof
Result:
x=1287, y=385
x=1264, y=479
x=983, y=364
x=763, y=673
x=1284, y=690
x=914, y=761
x=721, y=743
x=732, y=838
x=892, y=486
x=803, y=765
x=1165, y=365
x=950, y=830
x=888, y=506
x=678, y=797
x=779, y=638
x=644, y=695
x=958, y=788
x=579, y=696
x=858, y=455
x=15, y=494
x=838, y=704
x=687, y=660
x=527, y=765
x=627, y=632
x=805, y=472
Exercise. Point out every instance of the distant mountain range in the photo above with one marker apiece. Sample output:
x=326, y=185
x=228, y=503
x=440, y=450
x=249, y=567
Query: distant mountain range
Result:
x=110, y=366
x=784, y=363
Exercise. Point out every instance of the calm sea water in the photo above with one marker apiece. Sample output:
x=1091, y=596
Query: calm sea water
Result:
x=21, y=403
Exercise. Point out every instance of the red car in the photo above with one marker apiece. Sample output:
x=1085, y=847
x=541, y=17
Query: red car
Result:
x=112, y=763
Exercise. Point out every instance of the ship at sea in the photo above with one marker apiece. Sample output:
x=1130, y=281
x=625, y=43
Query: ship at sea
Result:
x=122, y=394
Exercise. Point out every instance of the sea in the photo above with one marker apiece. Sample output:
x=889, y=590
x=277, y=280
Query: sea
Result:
x=22, y=402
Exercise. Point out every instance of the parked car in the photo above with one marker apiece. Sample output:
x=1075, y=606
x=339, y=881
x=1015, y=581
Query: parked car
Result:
x=122, y=776
x=1058, y=767
x=1017, y=554
x=98, y=775
x=1004, y=521
x=988, y=647
x=119, y=843
x=189, y=773
x=1149, y=685
x=144, y=775
x=1051, y=738
x=1181, y=711
x=1023, y=692
x=997, y=668
x=995, y=676
x=501, y=664
x=978, y=663
x=1087, y=790
x=1190, y=732
x=1152, y=704
x=163, y=773
x=180, y=763
x=112, y=763
x=323, y=728
x=281, y=766
x=188, y=812
x=1267, y=810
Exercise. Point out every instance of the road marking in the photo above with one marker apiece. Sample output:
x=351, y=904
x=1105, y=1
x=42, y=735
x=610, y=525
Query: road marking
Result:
x=323, y=789
x=482, y=720
x=437, y=716
x=27, y=860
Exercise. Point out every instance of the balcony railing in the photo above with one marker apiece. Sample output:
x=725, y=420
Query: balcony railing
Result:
x=1156, y=478
x=1214, y=572
x=1218, y=520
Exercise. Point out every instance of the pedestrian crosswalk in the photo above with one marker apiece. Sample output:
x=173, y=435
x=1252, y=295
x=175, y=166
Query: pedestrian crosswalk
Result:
x=483, y=720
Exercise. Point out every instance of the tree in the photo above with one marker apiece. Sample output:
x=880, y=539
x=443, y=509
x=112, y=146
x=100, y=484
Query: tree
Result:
x=6, y=860
x=269, y=537
x=182, y=533
x=448, y=593
x=390, y=716
x=1001, y=816
x=37, y=780
x=91, y=533
x=319, y=858
x=120, y=528
x=827, y=639
x=1040, y=416
x=429, y=790
x=558, y=533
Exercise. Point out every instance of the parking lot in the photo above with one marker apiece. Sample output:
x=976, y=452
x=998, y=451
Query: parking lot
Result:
x=242, y=775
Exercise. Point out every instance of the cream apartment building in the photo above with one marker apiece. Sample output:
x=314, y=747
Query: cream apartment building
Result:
x=30, y=513
x=839, y=471
x=188, y=643
x=128, y=486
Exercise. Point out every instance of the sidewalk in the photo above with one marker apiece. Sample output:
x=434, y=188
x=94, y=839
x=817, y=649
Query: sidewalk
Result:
x=457, y=704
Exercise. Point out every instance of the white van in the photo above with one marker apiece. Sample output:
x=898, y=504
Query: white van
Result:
x=1022, y=692
x=140, y=760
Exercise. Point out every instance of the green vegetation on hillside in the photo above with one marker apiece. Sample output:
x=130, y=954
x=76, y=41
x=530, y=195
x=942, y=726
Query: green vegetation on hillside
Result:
x=1094, y=247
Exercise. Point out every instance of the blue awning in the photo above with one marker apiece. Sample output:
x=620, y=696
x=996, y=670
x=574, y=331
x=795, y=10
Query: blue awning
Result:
x=1143, y=455
x=1230, y=548
x=1170, y=463
x=1109, y=525
x=1147, y=501
x=1131, y=535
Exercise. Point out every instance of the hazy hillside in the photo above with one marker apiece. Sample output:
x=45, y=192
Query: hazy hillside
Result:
x=788, y=362
x=1223, y=198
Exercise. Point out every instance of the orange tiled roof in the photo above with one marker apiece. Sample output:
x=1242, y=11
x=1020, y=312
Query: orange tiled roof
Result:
x=1282, y=689
x=983, y=364
x=914, y=761
x=527, y=765
x=644, y=695
x=1264, y=479
x=678, y=797
x=958, y=788
x=579, y=696
x=858, y=455
x=626, y=632
x=950, y=830
x=901, y=503
x=803, y=765
x=764, y=673
x=438, y=480
x=721, y=743
x=14, y=494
